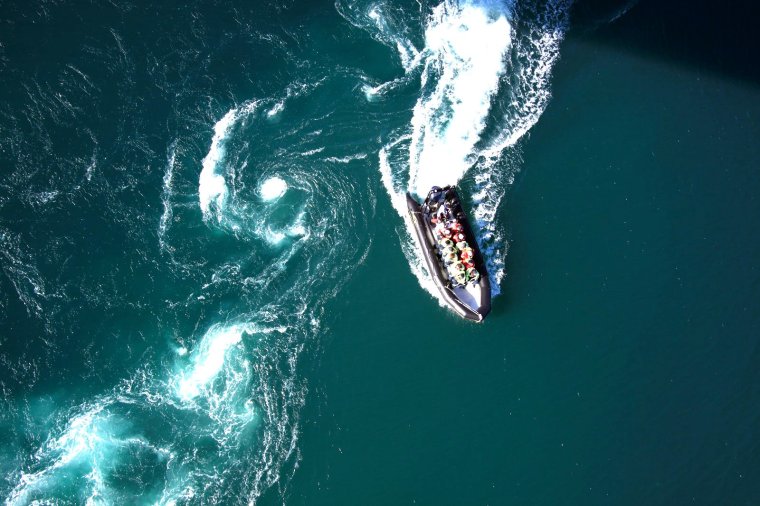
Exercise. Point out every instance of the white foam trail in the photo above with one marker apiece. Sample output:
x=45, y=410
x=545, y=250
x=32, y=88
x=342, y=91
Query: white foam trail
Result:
x=468, y=45
x=472, y=54
x=371, y=93
x=293, y=90
x=346, y=159
x=313, y=151
x=212, y=187
x=465, y=57
x=392, y=184
x=166, y=216
x=212, y=356
x=273, y=188
x=91, y=168
x=535, y=91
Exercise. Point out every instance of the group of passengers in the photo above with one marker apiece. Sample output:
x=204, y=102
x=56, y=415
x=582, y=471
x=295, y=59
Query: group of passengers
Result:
x=456, y=254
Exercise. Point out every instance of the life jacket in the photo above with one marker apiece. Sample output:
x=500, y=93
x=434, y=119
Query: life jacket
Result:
x=456, y=267
x=473, y=274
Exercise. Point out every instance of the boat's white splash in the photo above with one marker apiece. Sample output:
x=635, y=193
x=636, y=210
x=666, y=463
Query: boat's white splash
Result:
x=484, y=83
x=467, y=47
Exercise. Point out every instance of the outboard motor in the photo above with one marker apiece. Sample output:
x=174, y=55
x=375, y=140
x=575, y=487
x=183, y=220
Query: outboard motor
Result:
x=435, y=195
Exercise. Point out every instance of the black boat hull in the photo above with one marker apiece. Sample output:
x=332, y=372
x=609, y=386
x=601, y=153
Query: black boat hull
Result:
x=436, y=269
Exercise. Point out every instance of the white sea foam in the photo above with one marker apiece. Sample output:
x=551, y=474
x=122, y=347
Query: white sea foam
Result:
x=468, y=46
x=388, y=32
x=313, y=151
x=90, y=444
x=346, y=159
x=275, y=236
x=80, y=437
x=212, y=187
x=93, y=165
x=273, y=188
x=208, y=359
x=276, y=109
x=166, y=195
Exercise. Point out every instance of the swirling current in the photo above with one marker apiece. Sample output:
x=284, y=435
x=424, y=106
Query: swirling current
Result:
x=186, y=190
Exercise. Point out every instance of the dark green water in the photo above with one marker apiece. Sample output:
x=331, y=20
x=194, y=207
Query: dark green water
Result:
x=209, y=297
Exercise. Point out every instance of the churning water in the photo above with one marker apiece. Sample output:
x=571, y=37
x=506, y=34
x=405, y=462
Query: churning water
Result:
x=189, y=188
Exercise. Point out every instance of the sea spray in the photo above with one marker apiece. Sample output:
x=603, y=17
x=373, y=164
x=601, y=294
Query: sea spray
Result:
x=466, y=47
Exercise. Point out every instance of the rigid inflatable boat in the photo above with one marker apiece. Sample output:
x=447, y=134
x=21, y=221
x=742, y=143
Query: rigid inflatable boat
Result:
x=451, y=252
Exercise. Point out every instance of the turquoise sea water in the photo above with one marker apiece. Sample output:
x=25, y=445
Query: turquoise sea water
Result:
x=209, y=294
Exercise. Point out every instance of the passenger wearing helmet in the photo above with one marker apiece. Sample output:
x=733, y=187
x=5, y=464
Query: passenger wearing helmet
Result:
x=449, y=255
x=473, y=275
x=455, y=268
x=446, y=243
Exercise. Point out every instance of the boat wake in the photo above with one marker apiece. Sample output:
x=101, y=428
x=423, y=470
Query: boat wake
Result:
x=484, y=78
